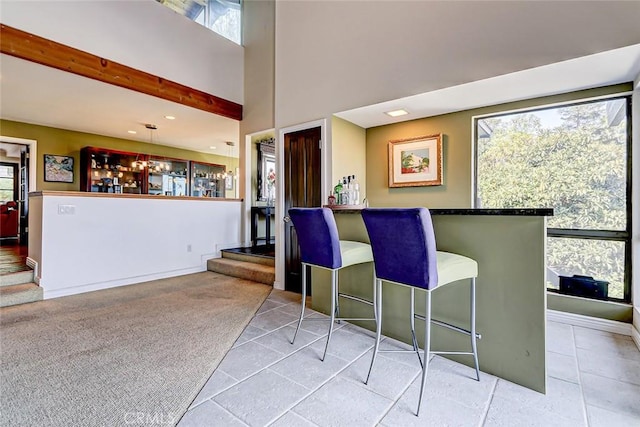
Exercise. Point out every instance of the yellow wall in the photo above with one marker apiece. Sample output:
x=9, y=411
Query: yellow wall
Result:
x=456, y=191
x=348, y=152
x=68, y=143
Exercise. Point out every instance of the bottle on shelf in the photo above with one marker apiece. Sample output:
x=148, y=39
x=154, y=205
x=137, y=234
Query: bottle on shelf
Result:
x=344, y=193
x=337, y=190
x=356, y=190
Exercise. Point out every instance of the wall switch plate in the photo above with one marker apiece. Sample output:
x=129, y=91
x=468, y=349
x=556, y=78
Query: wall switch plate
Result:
x=66, y=209
x=188, y=248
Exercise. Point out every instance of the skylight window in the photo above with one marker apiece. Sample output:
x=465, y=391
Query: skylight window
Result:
x=221, y=16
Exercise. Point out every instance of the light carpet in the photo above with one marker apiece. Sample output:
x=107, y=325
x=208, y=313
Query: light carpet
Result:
x=133, y=355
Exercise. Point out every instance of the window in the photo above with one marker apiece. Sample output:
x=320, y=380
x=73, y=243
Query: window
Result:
x=8, y=184
x=576, y=159
x=221, y=16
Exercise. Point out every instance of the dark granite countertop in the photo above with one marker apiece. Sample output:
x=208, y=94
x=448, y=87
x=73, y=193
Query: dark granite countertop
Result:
x=463, y=211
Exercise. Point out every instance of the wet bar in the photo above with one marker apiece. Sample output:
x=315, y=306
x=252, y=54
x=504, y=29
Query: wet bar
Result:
x=509, y=246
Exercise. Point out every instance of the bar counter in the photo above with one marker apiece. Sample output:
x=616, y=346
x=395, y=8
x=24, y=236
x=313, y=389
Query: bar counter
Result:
x=509, y=246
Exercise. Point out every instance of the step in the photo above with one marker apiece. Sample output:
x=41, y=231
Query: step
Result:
x=20, y=294
x=16, y=278
x=255, y=258
x=243, y=270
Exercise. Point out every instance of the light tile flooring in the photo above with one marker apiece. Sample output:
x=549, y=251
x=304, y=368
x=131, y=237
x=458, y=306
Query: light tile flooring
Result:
x=593, y=379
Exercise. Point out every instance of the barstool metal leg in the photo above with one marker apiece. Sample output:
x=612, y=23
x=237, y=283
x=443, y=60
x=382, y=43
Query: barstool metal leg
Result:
x=304, y=300
x=427, y=347
x=474, y=337
x=334, y=291
x=336, y=295
x=377, y=301
x=413, y=326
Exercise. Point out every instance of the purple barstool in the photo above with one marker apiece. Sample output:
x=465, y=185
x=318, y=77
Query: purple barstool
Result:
x=404, y=253
x=320, y=247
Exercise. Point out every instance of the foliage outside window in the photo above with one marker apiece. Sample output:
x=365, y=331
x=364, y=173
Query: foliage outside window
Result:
x=575, y=159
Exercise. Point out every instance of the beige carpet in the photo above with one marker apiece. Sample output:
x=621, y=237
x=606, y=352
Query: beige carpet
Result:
x=134, y=355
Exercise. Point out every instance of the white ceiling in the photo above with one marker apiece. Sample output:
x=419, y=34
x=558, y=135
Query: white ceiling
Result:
x=37, y=94
x=602, y=69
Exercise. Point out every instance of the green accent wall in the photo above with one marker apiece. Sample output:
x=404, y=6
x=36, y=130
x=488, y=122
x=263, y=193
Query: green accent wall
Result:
x=64, y=142
x=456, y=191
x=589, y=307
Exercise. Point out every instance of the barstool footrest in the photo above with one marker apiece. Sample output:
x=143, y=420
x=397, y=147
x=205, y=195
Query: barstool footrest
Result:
x=337, y=318
x=354, y=298
x=448, y=326
x=452, y=352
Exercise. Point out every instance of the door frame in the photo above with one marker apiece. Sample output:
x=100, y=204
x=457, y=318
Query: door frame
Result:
x=247, y=167
x=325, y=173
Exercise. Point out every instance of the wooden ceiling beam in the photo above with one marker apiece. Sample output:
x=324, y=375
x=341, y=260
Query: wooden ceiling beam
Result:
x=34, y=48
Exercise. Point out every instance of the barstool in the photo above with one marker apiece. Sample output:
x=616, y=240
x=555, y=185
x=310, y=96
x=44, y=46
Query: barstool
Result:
x=320, y=247
x=404, y=252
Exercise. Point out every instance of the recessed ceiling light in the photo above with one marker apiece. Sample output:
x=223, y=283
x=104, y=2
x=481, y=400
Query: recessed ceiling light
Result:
x=133, y=132
x=396, y=113
x=169, y=117
x=213, y=147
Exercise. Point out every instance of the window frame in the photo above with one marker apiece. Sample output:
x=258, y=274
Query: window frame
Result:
x=587, y=234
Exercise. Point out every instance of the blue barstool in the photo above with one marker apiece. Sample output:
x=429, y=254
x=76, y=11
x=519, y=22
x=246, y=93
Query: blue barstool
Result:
x=404, y=252
x=320, y=247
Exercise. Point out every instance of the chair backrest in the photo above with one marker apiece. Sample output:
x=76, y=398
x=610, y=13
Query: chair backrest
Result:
x=317, y=236
x=403, y=245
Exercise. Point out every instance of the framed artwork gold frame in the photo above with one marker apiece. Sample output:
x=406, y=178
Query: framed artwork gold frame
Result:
x=415, y=162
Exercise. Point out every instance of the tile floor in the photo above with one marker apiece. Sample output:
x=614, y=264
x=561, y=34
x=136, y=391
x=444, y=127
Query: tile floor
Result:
x=593, y=379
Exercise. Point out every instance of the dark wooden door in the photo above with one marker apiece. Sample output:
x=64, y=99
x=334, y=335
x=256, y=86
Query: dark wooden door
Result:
x=302, y=188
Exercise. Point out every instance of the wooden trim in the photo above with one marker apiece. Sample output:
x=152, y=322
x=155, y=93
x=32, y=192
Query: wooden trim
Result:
x=46, y=52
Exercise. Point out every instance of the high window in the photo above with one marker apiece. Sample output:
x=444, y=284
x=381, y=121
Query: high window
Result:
x=221, y=16
x=575, y=159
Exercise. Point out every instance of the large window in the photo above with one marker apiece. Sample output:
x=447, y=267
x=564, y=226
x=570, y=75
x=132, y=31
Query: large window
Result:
x=575, y=159
x=221, y=16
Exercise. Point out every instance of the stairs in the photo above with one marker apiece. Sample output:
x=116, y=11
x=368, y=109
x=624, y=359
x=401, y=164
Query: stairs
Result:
x=18, y=288
x=257, y=268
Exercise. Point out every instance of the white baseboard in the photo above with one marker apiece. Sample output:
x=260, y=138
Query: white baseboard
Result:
x=635, y=335
x=591, y=323
x=63, y=292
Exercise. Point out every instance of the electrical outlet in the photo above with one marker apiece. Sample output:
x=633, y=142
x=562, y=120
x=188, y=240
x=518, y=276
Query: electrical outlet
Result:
x=66, y=209
x=188, y=248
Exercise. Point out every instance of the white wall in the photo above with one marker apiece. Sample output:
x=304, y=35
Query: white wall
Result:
x=115, y=241
x=258, y=109
x=141, y=34
x=337, y=55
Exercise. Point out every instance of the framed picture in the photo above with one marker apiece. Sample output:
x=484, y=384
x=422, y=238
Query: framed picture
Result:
x=228, y=182
x=58, y=168
x=415, y=162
